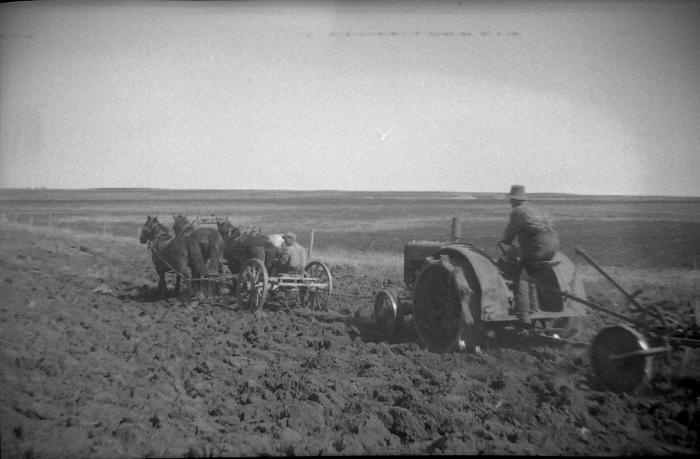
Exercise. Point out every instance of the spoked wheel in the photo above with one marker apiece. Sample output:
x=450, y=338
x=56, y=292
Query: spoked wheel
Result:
x=436, y=308
x=388, y=313
x=614, y=369
x=252, y=285
x=315, y=296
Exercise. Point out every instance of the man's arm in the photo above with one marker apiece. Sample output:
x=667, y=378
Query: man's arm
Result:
x=514, y=224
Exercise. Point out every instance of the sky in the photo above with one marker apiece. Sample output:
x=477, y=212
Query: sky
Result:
x=582, y=97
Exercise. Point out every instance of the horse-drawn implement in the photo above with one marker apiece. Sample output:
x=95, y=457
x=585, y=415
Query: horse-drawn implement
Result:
x=254, y=261
x=458, y=294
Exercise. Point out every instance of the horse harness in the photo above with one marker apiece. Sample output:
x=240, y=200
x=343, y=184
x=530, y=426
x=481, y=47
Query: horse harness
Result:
x=154, y=252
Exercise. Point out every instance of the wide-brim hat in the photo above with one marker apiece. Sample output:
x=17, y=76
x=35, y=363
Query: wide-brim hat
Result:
x=517, y=192
x=289, y=235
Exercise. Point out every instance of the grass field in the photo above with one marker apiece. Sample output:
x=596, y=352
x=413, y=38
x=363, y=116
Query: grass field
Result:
x=657, y=233
x=651, y=243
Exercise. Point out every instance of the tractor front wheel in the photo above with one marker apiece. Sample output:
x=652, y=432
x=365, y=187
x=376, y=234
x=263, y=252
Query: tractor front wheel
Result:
x=388, y=313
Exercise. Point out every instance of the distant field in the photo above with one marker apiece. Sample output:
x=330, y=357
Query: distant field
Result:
x=639, y=232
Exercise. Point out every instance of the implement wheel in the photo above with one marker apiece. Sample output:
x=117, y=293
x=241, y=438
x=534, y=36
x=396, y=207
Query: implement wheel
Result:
x=625, y=374
x=316, y=297
x=252, y=285
x=388, y=313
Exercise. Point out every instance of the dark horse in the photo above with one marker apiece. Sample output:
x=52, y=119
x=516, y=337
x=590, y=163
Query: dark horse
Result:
x=210, y=242
x=172, y=254
x=242, y=246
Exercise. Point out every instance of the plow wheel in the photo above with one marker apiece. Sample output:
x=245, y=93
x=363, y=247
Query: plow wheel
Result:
x=316, y=296
x=388, y=313
x=252, y=285
x=437, y=305
x=614, y=370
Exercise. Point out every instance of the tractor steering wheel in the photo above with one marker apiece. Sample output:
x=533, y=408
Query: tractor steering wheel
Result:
x=508, y=253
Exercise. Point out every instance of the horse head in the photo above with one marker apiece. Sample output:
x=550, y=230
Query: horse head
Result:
x=151, y=230
x=181, y=225
x=146, y=233
x=227, y=230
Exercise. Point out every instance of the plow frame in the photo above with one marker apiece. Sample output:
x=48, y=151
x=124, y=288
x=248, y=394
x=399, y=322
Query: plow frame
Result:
x=621, y=356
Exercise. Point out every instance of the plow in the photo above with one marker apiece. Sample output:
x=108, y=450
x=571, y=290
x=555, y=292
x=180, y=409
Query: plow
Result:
x=457, y=295
x=622, y=355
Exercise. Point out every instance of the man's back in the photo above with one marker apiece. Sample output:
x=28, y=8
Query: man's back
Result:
x=533, y=229
x=296, y=255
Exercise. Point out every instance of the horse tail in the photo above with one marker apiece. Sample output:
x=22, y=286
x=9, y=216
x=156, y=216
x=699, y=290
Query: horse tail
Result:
x=215, y=251
x=196, y=263
x=259, y=252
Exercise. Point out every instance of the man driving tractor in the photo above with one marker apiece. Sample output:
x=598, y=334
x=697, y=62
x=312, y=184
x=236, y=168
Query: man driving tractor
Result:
x=537, y=239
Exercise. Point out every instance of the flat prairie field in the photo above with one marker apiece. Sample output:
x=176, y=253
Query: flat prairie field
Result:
x=94, y=363
x=632, y=232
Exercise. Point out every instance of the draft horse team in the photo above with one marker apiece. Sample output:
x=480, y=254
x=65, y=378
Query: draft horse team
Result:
x=198, y=254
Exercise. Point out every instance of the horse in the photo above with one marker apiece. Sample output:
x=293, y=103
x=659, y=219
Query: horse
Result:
x=210, y=242
x=241, y=246
x=172, y=254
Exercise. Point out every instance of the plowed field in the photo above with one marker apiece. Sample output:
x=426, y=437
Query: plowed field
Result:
x=91, y=364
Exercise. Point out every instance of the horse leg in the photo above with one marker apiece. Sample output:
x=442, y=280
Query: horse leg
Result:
x=162, y=289
x=213, y=266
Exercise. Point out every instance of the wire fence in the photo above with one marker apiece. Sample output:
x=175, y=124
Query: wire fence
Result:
x=95, y=225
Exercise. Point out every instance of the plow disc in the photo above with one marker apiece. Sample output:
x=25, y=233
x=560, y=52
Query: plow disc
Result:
x=620, y=359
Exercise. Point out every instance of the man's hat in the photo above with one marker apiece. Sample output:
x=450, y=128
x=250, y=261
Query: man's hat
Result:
x=289, y=235
x=517, y=192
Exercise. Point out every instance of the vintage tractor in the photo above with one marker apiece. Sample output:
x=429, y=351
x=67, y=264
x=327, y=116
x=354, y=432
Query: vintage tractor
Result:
x=457, y=294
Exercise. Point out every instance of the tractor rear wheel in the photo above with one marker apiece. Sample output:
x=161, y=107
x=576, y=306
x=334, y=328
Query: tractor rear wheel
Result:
x=437, y=307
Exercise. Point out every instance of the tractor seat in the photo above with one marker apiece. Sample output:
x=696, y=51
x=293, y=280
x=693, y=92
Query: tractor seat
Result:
x=541, y=264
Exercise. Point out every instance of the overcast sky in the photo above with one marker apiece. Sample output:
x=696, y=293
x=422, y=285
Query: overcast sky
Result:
x=571, y=97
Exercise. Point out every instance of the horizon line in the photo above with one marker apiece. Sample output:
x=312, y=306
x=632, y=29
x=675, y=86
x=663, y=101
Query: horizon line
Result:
x=278, y=190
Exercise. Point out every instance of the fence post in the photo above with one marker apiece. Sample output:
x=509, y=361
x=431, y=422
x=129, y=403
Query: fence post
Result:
x=456, y=229
x=311, y=244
